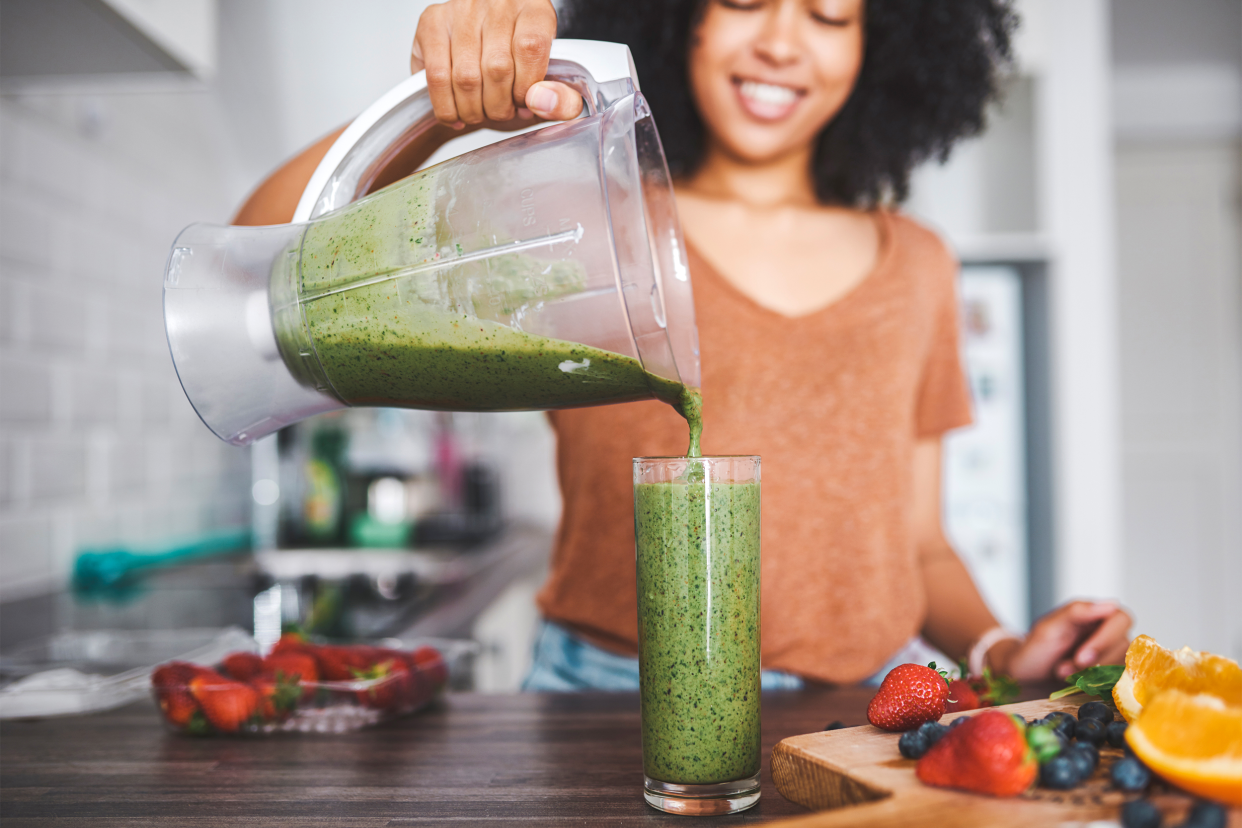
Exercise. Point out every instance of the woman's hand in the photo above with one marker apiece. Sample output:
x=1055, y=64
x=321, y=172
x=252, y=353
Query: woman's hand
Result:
x=1070, y=638
x=486, y=59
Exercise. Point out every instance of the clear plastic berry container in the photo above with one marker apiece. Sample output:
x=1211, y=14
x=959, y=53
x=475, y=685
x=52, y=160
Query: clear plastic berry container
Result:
x=298, y=687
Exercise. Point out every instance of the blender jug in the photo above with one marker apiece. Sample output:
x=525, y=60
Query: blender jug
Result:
x=543, y=271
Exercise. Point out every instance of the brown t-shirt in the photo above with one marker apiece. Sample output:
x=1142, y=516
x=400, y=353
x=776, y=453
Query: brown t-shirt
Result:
x=833, y=402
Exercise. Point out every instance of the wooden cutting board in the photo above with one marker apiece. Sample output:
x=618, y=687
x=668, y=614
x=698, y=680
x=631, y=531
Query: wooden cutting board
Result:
x=856, y=776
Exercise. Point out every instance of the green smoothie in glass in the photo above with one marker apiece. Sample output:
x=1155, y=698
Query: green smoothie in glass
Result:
x=696, y=525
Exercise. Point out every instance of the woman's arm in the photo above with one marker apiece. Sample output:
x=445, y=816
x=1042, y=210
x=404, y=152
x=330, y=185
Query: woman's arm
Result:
x=274, y=201
x=1076, y=634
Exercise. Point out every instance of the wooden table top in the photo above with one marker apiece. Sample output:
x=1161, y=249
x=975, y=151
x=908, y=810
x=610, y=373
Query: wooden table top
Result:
x=546, y=759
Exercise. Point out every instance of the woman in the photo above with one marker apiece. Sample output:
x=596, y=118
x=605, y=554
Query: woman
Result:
x=827, y=320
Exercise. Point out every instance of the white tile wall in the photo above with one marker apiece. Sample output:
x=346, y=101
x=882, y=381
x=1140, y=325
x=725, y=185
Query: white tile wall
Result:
x=98, y=446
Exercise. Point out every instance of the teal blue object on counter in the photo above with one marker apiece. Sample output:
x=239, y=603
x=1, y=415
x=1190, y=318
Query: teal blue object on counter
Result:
x=104, y=570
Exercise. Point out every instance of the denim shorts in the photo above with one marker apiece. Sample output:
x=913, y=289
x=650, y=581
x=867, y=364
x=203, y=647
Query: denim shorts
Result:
x=565, y=663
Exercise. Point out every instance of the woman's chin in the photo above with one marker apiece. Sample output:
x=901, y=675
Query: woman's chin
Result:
x=759, y=147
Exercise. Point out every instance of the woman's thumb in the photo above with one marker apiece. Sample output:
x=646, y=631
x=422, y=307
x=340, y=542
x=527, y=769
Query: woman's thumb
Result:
x=553, y=101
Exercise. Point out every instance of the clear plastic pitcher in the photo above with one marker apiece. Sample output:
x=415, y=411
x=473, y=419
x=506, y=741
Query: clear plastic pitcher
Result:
x=543, y=271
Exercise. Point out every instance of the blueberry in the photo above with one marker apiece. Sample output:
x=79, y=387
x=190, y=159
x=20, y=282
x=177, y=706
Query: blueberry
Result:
x=834, y=726
x=1095, y=710
x=1085, y=758
x=1059, y=774
x=1205, y=815
x=1064, y=722
x=913, y=744
x=1130, y=775
x=932, y=732
x=1115, y=732
x=1140, y=814
x=1090, y=730
x=958, y=722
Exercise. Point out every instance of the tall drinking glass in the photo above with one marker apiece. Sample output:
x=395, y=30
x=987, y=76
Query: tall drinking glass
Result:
x=696, y=526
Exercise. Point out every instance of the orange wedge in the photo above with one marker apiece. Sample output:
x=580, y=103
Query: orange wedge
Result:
x=1151, y=669
x=1193, y=741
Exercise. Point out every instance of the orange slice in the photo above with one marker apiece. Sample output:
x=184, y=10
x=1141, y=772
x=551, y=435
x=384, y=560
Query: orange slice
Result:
x=1193, y=741
x=1151, y=669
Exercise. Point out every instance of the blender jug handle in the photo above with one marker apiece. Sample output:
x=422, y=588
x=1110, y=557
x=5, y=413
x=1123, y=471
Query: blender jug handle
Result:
x=601, y=72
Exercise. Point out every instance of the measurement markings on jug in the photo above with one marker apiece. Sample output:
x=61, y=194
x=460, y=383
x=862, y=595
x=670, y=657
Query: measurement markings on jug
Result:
x=528, y=207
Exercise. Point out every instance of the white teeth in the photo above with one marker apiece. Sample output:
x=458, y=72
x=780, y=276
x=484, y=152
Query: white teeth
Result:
x=768, y=93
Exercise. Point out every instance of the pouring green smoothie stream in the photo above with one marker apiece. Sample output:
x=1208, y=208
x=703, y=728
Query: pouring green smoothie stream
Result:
x=393, y=320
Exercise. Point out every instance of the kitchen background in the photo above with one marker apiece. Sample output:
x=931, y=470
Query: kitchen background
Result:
x=1098, y=221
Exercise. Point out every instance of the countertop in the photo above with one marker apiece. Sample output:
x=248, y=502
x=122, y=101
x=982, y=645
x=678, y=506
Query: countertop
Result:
x=529, y=759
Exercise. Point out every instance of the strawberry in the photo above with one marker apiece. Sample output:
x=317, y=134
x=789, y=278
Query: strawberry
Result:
x=227, y=704
x=972, y=692
x=291, y=641
x=339, y=663
x=431, y=663
x=171, y=684
x=962, y=697
x=292, y=667
x=393, y=685
x=296, y=665
x=988, y=755
x=910, y=695
x=995, y=689
x=242, y=666
x=278, y=696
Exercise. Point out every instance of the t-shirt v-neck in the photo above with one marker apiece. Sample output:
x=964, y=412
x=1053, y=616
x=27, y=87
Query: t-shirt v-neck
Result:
x=834, y=402
x=708, y=271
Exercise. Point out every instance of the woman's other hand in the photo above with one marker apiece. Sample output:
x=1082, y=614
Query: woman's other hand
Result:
x=486, y=59
x=1070, y=638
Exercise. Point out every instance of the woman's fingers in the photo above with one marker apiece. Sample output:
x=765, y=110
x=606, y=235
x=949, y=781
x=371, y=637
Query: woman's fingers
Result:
x=484, y=59
x=465, y=47
x=1102, y=646
x=531, y=43
x=498, y=67
x=1084, y=613
x=431, y=53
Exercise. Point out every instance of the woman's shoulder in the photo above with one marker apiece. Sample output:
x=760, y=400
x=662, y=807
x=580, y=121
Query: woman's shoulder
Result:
x=915, y=247
x=916, y=237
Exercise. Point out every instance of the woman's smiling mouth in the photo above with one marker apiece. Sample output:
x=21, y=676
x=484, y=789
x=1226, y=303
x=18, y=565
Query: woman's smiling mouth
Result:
x=767, y=101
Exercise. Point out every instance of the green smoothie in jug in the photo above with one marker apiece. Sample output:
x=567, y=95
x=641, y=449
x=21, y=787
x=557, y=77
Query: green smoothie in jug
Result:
x=392, y=326
x=698, y=629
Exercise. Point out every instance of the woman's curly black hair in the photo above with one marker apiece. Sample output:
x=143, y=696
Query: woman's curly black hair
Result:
x=930, y=67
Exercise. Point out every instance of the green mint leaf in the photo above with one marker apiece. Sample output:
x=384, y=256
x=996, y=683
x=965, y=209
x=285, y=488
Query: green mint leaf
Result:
x=1094, y=681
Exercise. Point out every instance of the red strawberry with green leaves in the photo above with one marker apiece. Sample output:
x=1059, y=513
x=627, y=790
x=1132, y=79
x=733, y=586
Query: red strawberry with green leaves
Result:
x=392, y=686
x=973, y=692
x=962, y=697
x=293, y=667
x=278, y=696
x=227, y=704
x=987, y=755
x=337, y=663
x=299, y=666
x=909, y=695
x=171, y=683
x=995, y=689
x=242, y=666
